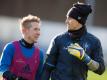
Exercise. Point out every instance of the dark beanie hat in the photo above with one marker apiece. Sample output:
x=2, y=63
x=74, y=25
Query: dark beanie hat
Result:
x=80, y=12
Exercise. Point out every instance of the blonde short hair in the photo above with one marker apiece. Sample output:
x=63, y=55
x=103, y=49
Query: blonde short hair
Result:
x=25, y=21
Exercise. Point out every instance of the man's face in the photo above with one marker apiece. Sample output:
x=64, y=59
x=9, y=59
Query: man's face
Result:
x=72, y=24
x=32, y=34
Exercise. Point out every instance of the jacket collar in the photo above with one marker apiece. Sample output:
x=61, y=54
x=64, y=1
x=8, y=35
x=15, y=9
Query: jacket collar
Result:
x=77, y=34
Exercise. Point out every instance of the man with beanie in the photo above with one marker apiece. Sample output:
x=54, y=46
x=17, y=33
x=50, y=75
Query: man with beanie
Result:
x=76, y=51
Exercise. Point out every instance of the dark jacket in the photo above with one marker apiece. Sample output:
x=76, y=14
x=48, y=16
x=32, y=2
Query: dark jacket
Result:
x=64, y=66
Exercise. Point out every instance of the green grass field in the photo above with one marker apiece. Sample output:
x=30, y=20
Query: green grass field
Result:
x=93, y=76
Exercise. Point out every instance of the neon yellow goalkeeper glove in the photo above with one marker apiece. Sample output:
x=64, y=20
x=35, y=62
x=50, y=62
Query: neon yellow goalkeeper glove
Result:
x=77, y=51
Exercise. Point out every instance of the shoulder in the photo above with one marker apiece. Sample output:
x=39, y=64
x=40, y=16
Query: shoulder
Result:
x=92, y=38
x=9, y=46
x=8, y=51
x=59, y=36
x=41, y=51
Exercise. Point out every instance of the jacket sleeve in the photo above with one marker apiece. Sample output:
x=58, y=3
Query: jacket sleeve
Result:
x=51, y=60
x=6, y=58
x=98, y=57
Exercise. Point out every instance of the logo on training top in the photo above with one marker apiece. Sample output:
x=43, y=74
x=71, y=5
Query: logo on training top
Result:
x=86, y=46
x=26, y=68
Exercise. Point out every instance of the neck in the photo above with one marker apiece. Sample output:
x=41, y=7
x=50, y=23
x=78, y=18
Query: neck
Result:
x=26, y=44
x=27, y=40
x=75, y=34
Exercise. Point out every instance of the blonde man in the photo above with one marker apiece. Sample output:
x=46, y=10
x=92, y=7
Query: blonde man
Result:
x=20, y=59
